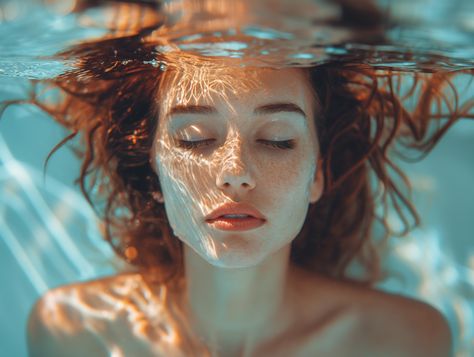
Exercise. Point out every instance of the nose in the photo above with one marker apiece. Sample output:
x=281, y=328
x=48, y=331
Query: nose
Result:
x=236, y=183
x=235, y=176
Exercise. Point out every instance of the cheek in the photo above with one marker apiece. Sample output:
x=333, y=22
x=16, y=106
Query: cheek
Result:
x=290, y=182
x=186, y=181
x=179, y=171
x=183, y=175
x=288, y=174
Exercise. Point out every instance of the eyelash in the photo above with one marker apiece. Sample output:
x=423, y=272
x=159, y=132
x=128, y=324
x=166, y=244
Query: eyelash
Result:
x=284, y=145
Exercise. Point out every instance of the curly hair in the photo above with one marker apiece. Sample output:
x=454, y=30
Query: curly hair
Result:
x=109, y=101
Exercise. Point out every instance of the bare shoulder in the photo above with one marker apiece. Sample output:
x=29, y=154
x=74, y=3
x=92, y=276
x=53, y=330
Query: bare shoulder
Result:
x=407, y=326
x=392, y=325
x=66, y=320
x=349, y=319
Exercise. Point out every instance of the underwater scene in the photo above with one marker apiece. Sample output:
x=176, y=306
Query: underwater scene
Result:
x=51, y=236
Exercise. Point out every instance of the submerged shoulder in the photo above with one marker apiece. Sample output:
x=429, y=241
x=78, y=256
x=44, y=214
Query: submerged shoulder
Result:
x=65, y=320
x=384, y=324
x=395, y=325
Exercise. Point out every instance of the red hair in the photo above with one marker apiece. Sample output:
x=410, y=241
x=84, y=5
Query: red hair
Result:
x=362, y=120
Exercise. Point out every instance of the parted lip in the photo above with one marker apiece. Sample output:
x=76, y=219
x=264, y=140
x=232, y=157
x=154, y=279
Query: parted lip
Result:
x=235, y=208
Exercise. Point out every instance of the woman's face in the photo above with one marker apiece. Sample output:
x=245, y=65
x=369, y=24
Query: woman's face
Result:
x=236, y=115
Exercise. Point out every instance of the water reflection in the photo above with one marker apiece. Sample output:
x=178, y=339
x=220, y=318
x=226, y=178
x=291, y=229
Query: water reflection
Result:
x=127, y=316
x=45, y=218
x=388, y=34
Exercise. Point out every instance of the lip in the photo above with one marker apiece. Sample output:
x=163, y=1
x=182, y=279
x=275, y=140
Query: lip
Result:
x=236, y=224
x=235, y=208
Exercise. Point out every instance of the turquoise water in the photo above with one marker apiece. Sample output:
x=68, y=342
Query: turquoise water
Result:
x=48, y=234
x=420, y=35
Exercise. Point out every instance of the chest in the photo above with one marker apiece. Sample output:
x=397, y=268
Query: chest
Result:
x=336, y=334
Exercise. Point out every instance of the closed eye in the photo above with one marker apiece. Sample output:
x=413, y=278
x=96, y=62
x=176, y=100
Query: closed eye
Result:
x=285, y=144
x=194, y=144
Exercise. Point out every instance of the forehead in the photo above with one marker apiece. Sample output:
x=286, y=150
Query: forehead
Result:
x=213, y=83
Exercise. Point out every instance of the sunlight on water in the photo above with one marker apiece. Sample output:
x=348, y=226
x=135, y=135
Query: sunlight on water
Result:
x=424, y=267
x=49, y=214
x=396, y=34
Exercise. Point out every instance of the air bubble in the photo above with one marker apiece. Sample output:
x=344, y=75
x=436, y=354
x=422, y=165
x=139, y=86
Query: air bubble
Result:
x=157, y=64
x=163, y=66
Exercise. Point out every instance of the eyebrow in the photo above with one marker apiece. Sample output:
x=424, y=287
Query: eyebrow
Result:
x=263, y=109
x=192, y=109
x=279, y=107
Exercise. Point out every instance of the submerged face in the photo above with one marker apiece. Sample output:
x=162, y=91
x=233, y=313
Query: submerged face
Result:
x=217, y=142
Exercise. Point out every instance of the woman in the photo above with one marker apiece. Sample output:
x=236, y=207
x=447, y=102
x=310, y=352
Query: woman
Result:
x=176, y=146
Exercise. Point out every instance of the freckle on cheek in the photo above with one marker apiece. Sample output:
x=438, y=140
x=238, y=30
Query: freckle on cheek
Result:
x=283, y=179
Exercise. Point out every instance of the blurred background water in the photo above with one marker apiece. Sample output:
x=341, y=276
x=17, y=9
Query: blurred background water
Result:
x=49, y=236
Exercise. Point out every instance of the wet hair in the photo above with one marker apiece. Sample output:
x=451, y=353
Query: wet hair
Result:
x=109, y=101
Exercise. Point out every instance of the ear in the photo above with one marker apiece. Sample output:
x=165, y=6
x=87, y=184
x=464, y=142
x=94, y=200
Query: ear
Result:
x=317, y=185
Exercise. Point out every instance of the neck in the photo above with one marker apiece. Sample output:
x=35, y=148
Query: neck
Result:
x=235, y=306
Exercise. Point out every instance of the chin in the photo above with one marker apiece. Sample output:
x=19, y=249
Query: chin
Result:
x=235, y=259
